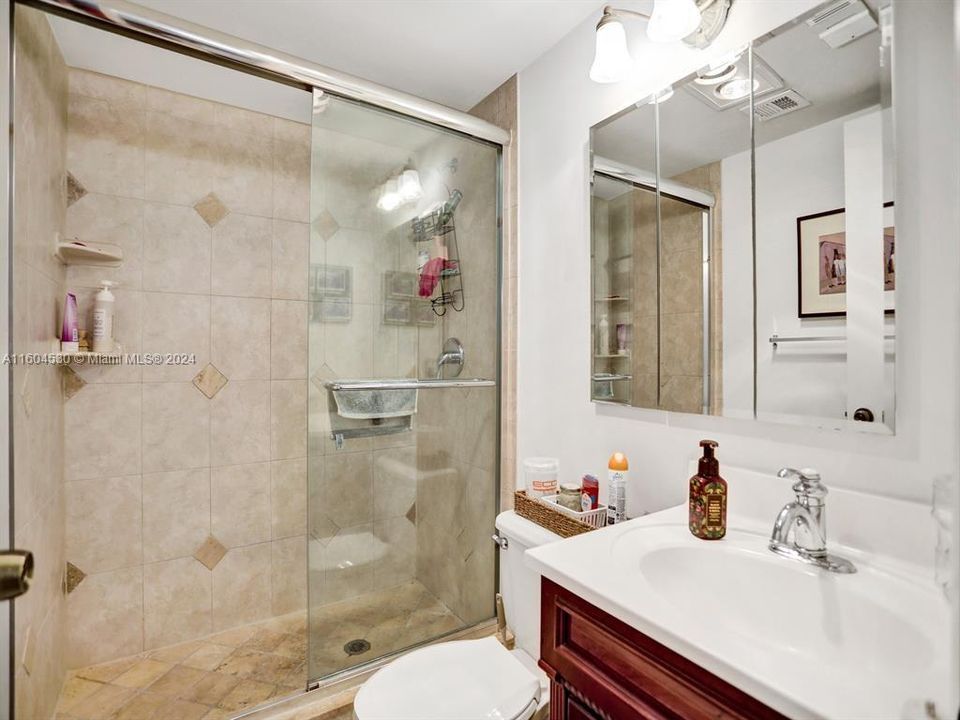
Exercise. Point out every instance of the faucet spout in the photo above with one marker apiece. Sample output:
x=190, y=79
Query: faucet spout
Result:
x=800, y=530
x=800, y=521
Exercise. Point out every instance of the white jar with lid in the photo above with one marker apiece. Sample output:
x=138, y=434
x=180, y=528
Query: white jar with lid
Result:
x=540, y=475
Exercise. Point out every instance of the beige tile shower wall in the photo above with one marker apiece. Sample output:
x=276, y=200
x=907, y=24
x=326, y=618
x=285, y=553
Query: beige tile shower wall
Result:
x=500, y=108
x=707, y=177
x=186, y=483
x=646, y=310
x=40, y=105
x=681, y=307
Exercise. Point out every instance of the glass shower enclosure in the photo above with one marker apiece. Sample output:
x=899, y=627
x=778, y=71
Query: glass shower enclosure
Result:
x=403, y=403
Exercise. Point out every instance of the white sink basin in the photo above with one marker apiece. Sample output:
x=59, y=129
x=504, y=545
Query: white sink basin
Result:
x=807, y=642
x=865, y=620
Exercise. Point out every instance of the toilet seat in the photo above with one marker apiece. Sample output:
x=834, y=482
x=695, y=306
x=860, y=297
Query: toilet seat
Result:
x=458, y=680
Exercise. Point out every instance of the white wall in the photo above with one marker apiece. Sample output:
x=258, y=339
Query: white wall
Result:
x=802, y=380
x=557, y=106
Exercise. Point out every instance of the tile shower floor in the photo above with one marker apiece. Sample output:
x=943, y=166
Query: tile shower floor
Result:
x=222, y=675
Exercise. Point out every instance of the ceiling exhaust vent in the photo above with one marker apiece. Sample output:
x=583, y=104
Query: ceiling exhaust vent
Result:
x=843, y=22
x=830, y=16
x=778, y=105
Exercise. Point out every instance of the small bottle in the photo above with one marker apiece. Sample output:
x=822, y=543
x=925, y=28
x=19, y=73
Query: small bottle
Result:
x=617, y=488
x=569, y=496
x=589, y=493
x=708, y=497
x=603, y=337
x=69, y=332
x=103, y=319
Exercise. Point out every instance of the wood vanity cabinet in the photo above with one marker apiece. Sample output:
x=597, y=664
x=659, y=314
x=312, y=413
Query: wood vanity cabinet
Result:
x=601, y=668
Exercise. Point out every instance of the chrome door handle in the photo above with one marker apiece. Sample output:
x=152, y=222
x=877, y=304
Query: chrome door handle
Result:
x=16, y=571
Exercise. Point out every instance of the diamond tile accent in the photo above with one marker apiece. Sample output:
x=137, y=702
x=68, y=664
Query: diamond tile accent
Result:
x=75, y=191
x=73, y=577
x=325, y=225
x=210, y=381
x=210, y=553
x=72, y=382
x=211, y=209
x=412, y=514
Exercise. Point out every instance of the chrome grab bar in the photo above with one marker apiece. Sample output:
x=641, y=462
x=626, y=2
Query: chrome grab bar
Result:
x=776, y=339
x=407, y=384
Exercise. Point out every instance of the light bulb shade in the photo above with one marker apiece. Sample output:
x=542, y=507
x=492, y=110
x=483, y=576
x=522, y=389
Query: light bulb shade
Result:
x=409, y=186
x=673, y=20
x=389, y=197
x=612, y=59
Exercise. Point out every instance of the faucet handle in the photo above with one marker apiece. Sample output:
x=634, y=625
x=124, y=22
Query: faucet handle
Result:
x=808, y=483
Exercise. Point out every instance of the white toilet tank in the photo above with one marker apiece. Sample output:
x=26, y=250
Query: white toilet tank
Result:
x=519, y=585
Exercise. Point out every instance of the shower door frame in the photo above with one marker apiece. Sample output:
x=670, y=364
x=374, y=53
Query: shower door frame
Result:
x=6, y=338
x=175, y=34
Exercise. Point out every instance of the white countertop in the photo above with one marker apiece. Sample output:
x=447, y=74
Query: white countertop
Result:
x=874, y=644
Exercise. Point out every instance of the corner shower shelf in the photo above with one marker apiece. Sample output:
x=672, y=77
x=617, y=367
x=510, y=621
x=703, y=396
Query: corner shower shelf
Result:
x=85, y=357
x=76, y=252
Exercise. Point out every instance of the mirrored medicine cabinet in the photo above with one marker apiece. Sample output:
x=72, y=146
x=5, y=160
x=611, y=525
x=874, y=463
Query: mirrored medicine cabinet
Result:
x=743, y=250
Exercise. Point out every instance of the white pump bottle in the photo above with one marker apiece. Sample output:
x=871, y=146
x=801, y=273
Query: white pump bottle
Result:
x=103, y=304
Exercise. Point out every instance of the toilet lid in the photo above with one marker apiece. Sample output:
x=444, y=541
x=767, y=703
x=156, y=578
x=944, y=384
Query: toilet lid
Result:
x=459, y=680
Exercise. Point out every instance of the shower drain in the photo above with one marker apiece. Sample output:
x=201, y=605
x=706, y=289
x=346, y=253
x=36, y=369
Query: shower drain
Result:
x=356, y=647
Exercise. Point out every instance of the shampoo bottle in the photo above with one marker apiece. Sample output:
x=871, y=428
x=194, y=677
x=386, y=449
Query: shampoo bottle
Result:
x=617, y=488
x=69, y=331
x=103, y=319
x=708, y=497
x=603, y=336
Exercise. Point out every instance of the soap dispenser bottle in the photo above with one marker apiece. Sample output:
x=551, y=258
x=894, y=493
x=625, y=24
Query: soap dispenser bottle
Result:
x=708, y=497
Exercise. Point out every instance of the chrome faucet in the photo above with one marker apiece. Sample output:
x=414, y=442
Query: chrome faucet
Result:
x=800, y=531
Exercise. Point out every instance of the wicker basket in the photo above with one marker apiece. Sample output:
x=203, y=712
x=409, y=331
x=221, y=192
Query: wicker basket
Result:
x=547, y=517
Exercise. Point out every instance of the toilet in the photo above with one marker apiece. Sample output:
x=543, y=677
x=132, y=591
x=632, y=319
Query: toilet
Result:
x=473, y=679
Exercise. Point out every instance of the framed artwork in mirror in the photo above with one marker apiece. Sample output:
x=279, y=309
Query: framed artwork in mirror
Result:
x=822, y=263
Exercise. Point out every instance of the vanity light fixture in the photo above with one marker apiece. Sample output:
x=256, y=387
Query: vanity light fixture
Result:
x=673, y=20
x=408, y=186
x=695, y=22
x=389, y=196
x=399, y=189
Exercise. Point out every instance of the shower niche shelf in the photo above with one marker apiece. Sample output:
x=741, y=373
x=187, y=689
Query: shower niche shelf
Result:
x=439, y=227
x=78, y=252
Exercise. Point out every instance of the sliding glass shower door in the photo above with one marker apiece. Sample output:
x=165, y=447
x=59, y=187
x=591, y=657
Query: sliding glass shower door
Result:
x=403, y=475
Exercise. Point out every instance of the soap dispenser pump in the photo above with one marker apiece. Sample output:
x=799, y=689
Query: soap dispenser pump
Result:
x=708, y=497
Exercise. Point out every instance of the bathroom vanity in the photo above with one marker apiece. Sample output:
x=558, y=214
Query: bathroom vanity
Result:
x=644, y=620
x=601, y=667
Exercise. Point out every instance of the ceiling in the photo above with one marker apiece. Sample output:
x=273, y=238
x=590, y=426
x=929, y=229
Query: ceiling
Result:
x=837, y=82
x=453, y=52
